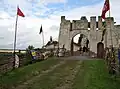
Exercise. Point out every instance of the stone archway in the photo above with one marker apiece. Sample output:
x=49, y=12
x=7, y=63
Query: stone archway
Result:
x=76, y=50
x=100, y=50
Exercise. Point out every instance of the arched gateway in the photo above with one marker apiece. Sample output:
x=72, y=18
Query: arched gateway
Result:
x=92, y=30
x=82, y=41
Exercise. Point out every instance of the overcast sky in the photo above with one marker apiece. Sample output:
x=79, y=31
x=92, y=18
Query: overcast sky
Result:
x=47, y=13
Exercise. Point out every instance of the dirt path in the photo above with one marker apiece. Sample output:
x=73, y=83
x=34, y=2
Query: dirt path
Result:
x=68, y=80
x=70, y=65
x=60, y=76
x=22, y=86
x=78, y=58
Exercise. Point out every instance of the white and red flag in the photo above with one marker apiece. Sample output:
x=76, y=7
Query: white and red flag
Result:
x=105, y=8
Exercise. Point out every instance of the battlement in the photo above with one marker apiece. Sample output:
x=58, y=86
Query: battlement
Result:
x=83, y=18
x=84, y=24
x=63, y=18
x=80, y=24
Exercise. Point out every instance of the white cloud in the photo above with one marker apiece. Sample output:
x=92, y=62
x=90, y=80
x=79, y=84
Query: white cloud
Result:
x=4, y=15
x=52, y=1
x=14, y=3
x=28, y=27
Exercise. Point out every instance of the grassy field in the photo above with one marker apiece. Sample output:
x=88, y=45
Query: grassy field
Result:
x=61, y=74
x=94, y=75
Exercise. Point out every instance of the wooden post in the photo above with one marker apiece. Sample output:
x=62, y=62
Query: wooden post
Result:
x=15, y=38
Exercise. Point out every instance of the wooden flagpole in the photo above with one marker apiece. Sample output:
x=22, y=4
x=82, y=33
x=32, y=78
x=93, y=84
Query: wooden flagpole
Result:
x=15, y=36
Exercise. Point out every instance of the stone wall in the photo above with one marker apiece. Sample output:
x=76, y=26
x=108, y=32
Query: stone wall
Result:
x=65, y=26
x=52, y=46
x=94, y=34
x=81, y=24
x=7, y=66
x=117, y=33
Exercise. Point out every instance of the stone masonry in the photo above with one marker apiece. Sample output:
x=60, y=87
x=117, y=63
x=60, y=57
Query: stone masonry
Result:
x=68, y=30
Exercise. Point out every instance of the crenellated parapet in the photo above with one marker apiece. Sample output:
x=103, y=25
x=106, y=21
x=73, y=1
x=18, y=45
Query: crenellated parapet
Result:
x=81, y=24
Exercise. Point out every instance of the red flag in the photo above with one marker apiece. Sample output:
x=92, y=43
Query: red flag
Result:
x=105, y=8
x=19, y=12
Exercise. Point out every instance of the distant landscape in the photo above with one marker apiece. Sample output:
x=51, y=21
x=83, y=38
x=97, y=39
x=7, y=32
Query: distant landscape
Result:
x=8, y=50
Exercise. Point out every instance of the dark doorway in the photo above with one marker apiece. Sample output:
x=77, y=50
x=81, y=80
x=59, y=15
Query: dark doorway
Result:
x=100, y=50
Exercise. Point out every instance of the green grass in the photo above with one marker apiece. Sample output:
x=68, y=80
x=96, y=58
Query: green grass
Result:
x=54, y=78
x=94, y=75
x=22, y=74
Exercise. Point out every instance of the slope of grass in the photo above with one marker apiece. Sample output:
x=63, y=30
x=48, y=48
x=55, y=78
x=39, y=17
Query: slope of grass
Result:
x=94, y=75
x=54, y=78
x=20, y=75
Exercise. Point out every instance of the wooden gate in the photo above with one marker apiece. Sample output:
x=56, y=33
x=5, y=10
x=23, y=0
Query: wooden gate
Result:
x=100, y=50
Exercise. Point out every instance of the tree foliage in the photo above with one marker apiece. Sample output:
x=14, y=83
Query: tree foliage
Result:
x=30, y=47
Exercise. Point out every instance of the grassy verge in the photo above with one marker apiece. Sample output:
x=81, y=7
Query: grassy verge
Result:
x=94, y=75
x=20, y=75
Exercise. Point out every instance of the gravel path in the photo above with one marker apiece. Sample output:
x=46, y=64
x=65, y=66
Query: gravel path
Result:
x=68, y=80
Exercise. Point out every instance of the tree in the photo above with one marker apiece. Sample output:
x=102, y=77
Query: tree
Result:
x=30, y=47
x=28, y=54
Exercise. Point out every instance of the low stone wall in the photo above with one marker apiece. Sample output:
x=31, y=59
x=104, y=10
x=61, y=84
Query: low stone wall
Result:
x=8, y=66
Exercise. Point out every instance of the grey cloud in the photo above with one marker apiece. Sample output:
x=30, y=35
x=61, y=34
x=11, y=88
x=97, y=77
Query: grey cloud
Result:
x=1, y=18
x=54, y=28
x=1, y=37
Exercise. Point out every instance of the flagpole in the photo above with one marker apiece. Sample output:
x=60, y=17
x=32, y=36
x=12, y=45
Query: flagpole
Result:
x=110, y=25
x=109, y=7
x=15, y=37
x=43, y=38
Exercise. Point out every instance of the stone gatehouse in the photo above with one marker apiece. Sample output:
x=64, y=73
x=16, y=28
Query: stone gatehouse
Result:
x=92, y=30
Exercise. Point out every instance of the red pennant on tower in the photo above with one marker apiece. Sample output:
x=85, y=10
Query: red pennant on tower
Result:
x=20, y=13
x=105, y=8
